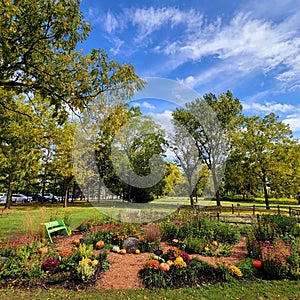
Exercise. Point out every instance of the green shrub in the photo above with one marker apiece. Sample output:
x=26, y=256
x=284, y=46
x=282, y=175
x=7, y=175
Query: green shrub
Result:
x=195, y=273
x=170, y=230
x=293, y=259
x=249, y=271
x=193, y=244
x=282, y=224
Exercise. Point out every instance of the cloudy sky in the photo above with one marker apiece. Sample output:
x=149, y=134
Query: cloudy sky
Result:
x=251, y=48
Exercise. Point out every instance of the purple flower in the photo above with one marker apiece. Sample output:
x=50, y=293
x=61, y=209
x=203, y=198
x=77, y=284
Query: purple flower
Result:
x=50, y=264
x=185, y=256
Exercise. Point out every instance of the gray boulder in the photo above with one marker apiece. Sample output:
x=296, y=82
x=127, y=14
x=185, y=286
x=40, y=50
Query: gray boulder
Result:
x=131, y=244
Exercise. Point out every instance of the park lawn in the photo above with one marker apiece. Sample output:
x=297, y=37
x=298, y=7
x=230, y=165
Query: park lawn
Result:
x=283, y=290
x=26, y=219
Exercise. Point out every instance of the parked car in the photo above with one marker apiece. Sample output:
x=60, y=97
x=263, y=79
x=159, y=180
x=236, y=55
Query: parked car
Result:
x=16, y=198
x=50, y=197
x=36, y=197
x=20, y=198
x=39, y=197
x=3, y=198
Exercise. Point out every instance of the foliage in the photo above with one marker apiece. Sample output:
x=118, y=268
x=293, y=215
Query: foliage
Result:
x=267, y=230
x=262, y=156
x=193, y=244
x=183, y=273
x=247, y=268
x=39, y=55
x=195, y=231
x=274, y=259
x=50, y=264
x=213, y=133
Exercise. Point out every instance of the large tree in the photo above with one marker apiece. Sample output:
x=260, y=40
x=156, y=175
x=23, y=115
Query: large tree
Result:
x=38, y=54
x=211, y=121
x=19, y=147
x=186, y=156
x=264, y=148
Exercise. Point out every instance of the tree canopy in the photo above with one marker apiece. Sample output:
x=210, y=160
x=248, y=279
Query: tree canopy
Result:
x=38, y=54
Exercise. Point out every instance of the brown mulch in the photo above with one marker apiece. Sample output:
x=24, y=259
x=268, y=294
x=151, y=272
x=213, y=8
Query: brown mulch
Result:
x=124, y=269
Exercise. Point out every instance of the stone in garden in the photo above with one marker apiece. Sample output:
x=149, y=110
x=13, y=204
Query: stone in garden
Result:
x=131, y=244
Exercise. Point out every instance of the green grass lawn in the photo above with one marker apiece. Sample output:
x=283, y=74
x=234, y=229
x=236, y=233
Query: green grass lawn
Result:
x=281, y=290
x=26, y=219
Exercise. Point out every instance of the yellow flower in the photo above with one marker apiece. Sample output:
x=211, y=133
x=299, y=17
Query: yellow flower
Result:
x=85, y=261
x=137, y=251
x=206, y=249
x=235, y=271
x=179, y=262
x=215, y=243
x=95, y=262
x=170, y=262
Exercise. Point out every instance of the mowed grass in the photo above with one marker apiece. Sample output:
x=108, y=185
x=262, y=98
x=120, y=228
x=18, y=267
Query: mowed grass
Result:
x=281, y=290
x=27, y=219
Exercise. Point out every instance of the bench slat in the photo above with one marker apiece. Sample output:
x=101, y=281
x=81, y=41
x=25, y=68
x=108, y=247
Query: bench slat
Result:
x=55, y=226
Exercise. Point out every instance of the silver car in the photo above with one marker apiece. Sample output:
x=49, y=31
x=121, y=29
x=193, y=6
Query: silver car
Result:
x=20, y=198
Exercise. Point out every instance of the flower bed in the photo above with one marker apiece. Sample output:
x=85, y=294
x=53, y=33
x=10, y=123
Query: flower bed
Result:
x=273, y=253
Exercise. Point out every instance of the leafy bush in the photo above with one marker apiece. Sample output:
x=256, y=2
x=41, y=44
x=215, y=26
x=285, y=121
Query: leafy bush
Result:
x=194, y=273
x=249, y=271
x=193, y=244
x=282, y=224
x=274, y=259
x=170, y=230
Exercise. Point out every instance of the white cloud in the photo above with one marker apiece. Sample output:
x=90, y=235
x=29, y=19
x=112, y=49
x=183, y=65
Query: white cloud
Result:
x=110, y=23
x=294, y=122
x=269, y=107
x=251, y=41
x=147, y=105
x=164, y=119
x=148, y=20
x=244, y=45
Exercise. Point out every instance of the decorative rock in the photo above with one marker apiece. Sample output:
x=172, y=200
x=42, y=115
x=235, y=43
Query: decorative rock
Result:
x=131, y=244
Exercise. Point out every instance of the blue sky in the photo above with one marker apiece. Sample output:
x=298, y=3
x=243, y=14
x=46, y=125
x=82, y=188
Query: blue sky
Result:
x=251, y=48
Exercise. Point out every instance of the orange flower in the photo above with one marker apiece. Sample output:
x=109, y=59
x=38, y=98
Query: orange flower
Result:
x=65, y=253
x=152, y=264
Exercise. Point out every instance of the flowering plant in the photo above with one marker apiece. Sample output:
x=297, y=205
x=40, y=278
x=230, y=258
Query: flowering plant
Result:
x=179, y=262
x=235, y=271
x=152, y=264
x=50, y=264
x=65, y=253
x=274, y=258
x=173, y=252
x=185, y=256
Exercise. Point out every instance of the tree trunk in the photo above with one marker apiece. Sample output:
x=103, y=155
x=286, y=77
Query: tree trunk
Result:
x=218, y=201
x=216, y=189
x=9, y=194
x=191, y=199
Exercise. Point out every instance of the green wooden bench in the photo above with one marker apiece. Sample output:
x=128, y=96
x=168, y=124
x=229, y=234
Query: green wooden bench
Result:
x=55, y=226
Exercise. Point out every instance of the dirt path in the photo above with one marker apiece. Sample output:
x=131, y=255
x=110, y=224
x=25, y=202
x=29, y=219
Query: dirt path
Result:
x=123, y=272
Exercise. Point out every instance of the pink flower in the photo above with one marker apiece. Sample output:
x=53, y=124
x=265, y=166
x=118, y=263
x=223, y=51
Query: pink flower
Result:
x=185, y=256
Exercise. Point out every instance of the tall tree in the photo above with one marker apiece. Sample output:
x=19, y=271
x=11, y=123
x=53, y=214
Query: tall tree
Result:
x=62, y=160
x=211, y=121
x=19, y=151
x=265, y=142
x=186, y=156
x=38, y=40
